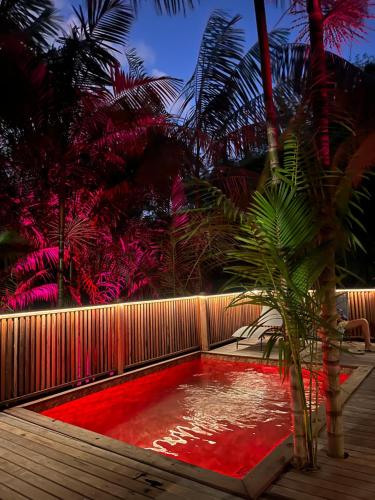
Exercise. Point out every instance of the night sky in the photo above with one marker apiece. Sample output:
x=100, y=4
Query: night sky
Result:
x=169, y=45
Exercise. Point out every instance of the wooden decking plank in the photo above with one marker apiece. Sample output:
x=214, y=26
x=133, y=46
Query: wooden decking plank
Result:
x=336, y=481
x=334, y=485
x=364, y=421
x=314, y=489
x=277, y=491
x=345, y=464
x=363, y=454
x=22, y=481
x=112, y=462
x=366, y=391
x=356, y=427
x=359, y=440
x=349, y=473
x=360, y=449
x=183, y=469
x=363, y=409
x=9, y=494
x=368, y=396
x=48, y=438
x=355, y=411
x=77, y=468
x=350, y=413
x=361, y=460
x=361, y=437
x=41, y=477
x=70, y=480
x=63, y=484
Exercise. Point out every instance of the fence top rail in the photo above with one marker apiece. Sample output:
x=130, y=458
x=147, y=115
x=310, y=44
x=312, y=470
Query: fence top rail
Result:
x=108, y=306
x=135, y=303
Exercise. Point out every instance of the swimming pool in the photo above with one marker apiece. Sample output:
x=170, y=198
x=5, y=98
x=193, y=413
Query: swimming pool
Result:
x=225, y=416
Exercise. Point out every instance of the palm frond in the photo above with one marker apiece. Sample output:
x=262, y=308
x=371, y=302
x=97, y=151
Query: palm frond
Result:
x=107, y=22
x=37, y=260
x=168, y=6
x=136, y=91
x=42, y=293
x=220, y=52
x=36, y=19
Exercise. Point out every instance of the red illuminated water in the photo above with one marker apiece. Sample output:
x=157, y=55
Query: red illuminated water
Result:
x=223, y=416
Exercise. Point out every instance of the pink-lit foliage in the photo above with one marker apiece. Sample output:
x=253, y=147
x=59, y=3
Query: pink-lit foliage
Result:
x=100, y=266
x=344, y=21
x=107, y=256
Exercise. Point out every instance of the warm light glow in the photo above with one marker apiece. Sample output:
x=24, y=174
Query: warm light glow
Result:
x=154, y=301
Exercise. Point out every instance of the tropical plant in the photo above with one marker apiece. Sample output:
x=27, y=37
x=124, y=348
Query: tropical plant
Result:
x=338, y=28
x=333, y=22
x=272, y=247
x=86, y=133
x=275, y=247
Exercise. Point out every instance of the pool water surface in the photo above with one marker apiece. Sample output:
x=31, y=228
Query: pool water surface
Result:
x=220, y=415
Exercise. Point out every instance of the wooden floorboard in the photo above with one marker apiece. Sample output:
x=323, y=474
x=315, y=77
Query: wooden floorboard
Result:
x=41, y=464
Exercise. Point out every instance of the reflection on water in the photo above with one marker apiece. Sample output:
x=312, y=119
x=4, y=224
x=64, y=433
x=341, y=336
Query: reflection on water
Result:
x=223, y=416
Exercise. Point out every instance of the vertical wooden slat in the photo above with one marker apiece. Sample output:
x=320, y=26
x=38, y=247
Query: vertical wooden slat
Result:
x=15, y=357
x=53, y=350
x=58, y=345
x=3, y=335
x=26, y=356
x=9, y=359
x=43, y=339
x=32, y=386
x=111, y=337
x=63, y=318
x=21, y=356
x=120, y=361
x=48, y=350
x=38, y=352
x=202, y=323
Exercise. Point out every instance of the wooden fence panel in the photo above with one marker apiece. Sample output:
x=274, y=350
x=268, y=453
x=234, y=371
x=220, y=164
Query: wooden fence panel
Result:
x=159, y=328
x=223, y=321
x=48, y=349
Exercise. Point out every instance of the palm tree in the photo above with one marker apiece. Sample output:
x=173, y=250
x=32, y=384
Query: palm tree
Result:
x=320, y=101
x=331, y=353
x=338, y=22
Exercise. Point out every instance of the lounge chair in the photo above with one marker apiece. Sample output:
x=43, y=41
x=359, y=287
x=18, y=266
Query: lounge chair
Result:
x=271, y=321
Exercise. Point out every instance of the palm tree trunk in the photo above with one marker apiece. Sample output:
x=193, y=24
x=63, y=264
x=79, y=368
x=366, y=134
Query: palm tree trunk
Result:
x=331, y=353
x=298, y=415
x=319, y=80
x=60, y=269
x=331, y=366
x=271, y=116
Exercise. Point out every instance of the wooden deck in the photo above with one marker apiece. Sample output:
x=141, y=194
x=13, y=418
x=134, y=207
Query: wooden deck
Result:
x=41, y=460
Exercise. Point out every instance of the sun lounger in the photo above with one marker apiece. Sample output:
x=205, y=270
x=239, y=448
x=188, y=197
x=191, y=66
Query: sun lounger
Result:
x=270, y=322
